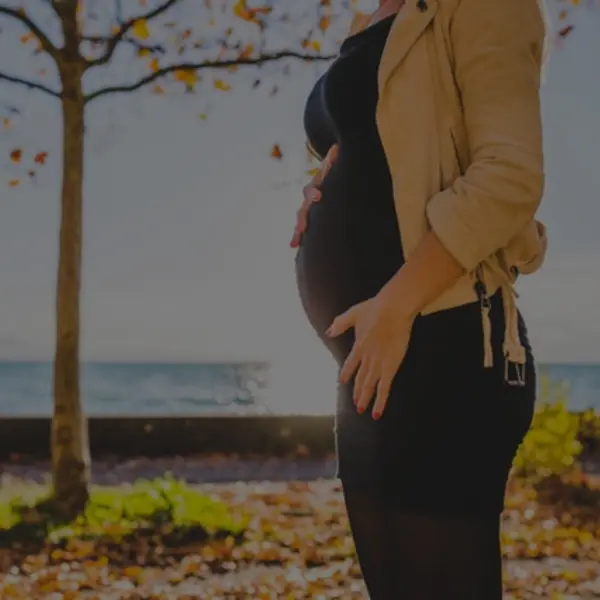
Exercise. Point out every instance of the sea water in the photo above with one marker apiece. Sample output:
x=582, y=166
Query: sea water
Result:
x=189, y=389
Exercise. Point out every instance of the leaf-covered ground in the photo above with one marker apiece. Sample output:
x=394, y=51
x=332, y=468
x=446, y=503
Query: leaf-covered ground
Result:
x=168, y=540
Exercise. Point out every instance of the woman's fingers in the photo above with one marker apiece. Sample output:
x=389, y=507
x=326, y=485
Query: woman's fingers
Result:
x=360, y=379
x=351, y=364
x=311, y=194
x=343, y=322
x=384, y=386
x=332, y=156
x=364, y=392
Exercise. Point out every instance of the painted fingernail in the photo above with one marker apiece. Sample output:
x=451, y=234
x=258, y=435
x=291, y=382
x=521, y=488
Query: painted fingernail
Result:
x=376, y=416
x=361, y=410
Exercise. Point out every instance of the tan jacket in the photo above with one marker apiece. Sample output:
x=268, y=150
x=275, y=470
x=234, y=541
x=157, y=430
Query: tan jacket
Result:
x=459, y=120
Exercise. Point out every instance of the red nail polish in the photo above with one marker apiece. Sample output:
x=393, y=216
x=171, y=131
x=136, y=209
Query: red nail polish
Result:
x=377, y=415
x=361, y=410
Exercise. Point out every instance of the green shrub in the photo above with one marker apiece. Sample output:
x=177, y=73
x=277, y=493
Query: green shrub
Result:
x=163, y=506
x=589, y=425
x=552, y=445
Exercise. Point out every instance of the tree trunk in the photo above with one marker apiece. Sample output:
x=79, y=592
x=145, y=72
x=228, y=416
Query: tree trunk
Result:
x=70, y=447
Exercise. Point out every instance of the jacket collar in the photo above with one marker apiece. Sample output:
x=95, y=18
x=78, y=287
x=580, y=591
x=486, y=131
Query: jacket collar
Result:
x=406, y=29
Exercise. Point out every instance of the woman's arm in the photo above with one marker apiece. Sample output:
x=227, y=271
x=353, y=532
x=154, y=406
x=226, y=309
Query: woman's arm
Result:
x=498, y=51
x=429, y=272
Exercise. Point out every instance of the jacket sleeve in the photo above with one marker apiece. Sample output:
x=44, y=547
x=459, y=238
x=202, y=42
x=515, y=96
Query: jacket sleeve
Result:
x=498, y=49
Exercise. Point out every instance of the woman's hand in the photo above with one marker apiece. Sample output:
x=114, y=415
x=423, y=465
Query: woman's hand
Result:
x=312, y=194
x=382, y=332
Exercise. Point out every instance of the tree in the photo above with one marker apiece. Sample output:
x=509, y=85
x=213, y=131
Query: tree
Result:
x=156, y=35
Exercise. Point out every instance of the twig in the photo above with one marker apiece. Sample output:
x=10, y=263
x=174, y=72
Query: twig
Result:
x=99, y=39
x=113, y=42
x=265, y=58
x=33, y=85
x=20, y=15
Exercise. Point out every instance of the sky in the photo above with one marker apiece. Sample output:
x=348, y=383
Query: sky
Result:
x=187, y=222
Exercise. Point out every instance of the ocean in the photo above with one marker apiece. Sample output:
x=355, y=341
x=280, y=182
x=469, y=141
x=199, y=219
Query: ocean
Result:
x=145, y=389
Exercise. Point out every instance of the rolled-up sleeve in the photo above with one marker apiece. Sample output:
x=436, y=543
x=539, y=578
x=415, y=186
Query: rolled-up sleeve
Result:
x=498, y=51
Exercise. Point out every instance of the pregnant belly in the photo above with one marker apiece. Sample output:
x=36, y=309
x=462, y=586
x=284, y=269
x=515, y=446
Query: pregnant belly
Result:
x=351, y=247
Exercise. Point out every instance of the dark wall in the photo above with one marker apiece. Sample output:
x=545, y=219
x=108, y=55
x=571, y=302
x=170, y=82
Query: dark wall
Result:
x=181, y=436
x=166, y=436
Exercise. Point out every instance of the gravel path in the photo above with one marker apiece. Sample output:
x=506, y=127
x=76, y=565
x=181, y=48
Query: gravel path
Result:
x=199, y=469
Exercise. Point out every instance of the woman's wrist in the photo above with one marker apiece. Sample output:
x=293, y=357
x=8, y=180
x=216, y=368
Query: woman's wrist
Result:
x=400, y=298
x=429, y=272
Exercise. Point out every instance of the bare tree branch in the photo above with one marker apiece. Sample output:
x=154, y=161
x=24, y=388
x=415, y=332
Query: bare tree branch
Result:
x=99, y=39
x=221, y=64
x=20, y=15
x=32, y=85
x=113, y=42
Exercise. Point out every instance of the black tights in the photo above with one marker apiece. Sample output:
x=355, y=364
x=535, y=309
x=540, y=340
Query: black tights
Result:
x=409, y=556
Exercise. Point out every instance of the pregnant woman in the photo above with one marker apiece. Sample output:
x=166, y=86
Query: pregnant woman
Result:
x=409, y=242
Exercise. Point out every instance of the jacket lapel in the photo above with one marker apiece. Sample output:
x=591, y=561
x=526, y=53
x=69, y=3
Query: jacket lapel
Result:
x=408, y=26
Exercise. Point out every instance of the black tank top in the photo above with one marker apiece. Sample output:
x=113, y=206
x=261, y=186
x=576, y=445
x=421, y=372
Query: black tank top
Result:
x=352, y=244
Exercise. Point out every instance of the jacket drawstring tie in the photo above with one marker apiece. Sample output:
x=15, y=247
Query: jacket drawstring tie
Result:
x=515, y=354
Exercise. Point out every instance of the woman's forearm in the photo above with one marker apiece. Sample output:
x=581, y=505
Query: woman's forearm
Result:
x=429, y=272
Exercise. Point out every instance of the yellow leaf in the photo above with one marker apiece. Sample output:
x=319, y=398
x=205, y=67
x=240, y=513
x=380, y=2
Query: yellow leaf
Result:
x=140, y=29
x=14, y=182
x=154, y=65
x=186, y=76
x=222, y=85
x=144, y=52
x=203, y=116
x=241, y=10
